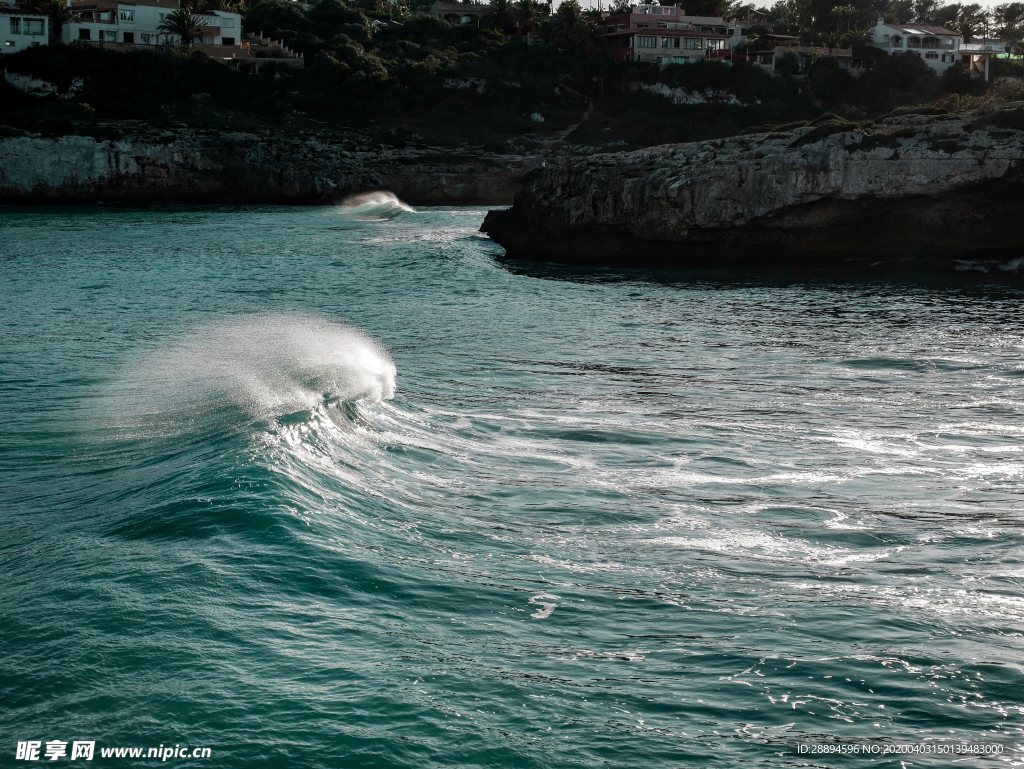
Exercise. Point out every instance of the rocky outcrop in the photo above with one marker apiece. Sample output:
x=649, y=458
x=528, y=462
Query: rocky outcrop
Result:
x=140, y=164
x=946, y=186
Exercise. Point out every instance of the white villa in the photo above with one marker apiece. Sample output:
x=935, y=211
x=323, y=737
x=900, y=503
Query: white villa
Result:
x=21, y=29
x=939, y=47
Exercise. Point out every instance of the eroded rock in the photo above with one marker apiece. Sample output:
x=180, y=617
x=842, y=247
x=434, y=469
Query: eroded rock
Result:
x=947, y=186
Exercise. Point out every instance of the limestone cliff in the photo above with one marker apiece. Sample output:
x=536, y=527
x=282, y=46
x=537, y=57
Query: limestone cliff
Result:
x=910, y=185
x=140, y=164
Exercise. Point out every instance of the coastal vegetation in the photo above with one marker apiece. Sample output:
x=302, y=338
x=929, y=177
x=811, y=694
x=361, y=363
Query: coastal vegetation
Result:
x=427, y=81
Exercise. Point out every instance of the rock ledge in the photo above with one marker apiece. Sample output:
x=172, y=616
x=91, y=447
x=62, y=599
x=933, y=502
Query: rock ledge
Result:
x=945, y=186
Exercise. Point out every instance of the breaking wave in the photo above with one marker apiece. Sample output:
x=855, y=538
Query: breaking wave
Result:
x=265, y=367
x=374, y=206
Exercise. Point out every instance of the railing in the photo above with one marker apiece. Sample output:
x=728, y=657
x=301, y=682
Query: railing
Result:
x=899, y=48
x=983, y=48
x=115, y=46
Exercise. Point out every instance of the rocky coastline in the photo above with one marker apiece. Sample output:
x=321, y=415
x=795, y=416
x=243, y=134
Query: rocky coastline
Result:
x=937, y=186
x=139, y=164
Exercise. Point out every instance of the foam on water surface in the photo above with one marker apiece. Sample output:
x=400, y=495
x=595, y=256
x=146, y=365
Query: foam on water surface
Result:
x=610, y=520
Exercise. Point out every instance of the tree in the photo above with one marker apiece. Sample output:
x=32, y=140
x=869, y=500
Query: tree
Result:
x=271, y=16
x=970, y=20
x=57, y=12
x=221, y=5
x=619, y=6
x=500, y=16
x=926, y=11
x=739, y=11
x=1009, y=24
x=569, y=28
x=331, y=17
x=902, y=11
x=528, y=10
x=843, y=14
x=185, y=24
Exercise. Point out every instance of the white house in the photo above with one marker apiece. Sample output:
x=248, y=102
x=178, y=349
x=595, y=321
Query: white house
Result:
x=21, y=29
x=137, y=23
x=222, y=28
x=937, y=46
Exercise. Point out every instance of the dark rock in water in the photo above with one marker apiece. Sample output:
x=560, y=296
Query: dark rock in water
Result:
x=940, y=186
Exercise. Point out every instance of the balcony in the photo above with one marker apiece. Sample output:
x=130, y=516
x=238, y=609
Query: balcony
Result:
x=83, y=19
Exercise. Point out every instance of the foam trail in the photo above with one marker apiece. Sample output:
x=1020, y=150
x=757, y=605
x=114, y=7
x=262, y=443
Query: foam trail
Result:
x=267, y=366
x=374, y=206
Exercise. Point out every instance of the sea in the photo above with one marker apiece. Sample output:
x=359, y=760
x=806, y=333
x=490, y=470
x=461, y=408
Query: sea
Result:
x=345, y=487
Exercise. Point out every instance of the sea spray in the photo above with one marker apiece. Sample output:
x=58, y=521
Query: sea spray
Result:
x=373, y=206
x=259, y=367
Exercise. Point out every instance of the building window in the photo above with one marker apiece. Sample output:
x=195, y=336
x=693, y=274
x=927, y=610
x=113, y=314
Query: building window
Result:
x=108, y=35
x=913, y=42
x=611, y=29
x=647, y=42
x=885, y=38
x=8, y=43
x=15, y=26
x=33, y=26
x=227, y=23
x=716, y=45
x=84, y=34
x=227, y=41
x=897, y=41
x=947, y=58
x=692, y=42
x=930, y=43
x=947, y=42
x=622, y=26
x=146, y=39
x=670, y=42
x=931, y=55
x=129, y=38
x=127, y=15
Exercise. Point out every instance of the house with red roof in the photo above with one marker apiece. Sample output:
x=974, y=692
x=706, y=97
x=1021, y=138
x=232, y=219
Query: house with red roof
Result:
x=665, y=34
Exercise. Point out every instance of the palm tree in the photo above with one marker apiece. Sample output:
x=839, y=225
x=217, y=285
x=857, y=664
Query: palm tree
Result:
x=185, y=24
x=56, y=11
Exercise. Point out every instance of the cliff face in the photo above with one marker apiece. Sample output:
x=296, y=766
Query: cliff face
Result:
x=913, y=185
x=213, y=167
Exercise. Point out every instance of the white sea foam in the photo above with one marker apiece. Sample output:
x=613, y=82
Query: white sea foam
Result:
x=373, y=206
x=270, y=366
x=545, y=605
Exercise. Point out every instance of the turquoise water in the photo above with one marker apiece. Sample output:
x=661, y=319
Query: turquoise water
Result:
x=324, y=487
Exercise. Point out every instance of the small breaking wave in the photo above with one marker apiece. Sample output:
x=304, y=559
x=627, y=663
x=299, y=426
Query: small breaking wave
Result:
x=374, y=206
